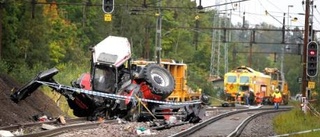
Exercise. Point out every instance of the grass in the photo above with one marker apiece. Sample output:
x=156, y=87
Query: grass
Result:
x=215, y=102
x=295, y=121
x=60, y=101
x=67, y=73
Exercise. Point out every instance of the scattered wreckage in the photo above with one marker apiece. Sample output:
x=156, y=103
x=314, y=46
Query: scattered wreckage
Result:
x=117, y=88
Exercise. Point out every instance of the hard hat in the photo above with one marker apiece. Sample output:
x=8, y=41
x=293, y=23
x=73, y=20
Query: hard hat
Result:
x=276, y=90
x=251, y=90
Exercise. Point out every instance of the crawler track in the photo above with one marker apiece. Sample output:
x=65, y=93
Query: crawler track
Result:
x=229, y=123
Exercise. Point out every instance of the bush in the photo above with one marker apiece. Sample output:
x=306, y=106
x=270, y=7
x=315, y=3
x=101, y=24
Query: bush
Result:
x=67, y=72
x=283, y=123
x=3, y=67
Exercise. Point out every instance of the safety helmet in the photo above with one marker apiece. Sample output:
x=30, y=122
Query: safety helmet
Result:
x=276, y=90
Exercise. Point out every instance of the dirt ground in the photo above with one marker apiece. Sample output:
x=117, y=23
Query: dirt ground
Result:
x=12, y=113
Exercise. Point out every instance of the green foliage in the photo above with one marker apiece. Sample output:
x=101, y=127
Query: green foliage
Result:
x=283, y=123
x=60, y=36
x=4, y=67
x=11, y=24
x=70, y=71
x=22, y=72
x=293, y=67
x=67, y=73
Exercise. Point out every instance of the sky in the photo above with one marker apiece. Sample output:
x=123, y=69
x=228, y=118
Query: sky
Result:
x=255, y=11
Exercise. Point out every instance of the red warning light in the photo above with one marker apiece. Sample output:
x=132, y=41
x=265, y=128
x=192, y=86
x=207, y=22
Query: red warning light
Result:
x=312, y=52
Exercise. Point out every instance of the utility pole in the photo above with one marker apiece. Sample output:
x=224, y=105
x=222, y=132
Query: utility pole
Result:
x=213, y=50
x=305, y=40
x=226, y=52
x=158, y=34
x=311, y=34
x=252, y=39
x=225, y=39
x=288, y=20
x=243, y=19
x=284, y=40
x=283, y=48
x=219, y=39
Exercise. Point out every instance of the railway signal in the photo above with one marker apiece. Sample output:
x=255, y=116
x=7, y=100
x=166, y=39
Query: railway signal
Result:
x=312, y=59
x=107, y=6
x=107, y=17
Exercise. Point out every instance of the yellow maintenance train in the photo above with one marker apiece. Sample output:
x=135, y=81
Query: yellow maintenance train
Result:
x=278, y=81
x=244, y=78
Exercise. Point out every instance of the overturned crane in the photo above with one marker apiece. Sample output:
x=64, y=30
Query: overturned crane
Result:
x=115, y=88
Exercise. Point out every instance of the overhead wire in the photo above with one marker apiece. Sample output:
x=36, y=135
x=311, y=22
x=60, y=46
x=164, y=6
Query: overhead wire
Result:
x=240, y=11
x=275, y=6
x=298, y=21
x=249, y=18
x=256, y=16
x=274, y=17
x=259, y=14
x=232, y=5
x=217, y=5
x=315, y=16
x=194, y=8
x=280, y=11
x=261, y=4
x=268, y=13
x=260, y=19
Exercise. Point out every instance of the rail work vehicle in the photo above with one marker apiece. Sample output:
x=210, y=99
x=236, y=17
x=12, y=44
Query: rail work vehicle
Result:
x=243, y=78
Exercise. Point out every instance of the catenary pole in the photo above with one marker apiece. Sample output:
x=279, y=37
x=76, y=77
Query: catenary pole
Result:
x=305, y=42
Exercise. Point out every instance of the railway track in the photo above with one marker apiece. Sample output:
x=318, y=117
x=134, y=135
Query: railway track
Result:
x=217, y=118
x=36, y=129
x=229, y=123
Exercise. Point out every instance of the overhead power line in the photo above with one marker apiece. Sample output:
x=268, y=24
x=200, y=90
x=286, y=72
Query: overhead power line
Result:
x=217, y=5
x=315, y=16
x=273, y=17
x=258, y=14
x=261, y=4
x=275, y=6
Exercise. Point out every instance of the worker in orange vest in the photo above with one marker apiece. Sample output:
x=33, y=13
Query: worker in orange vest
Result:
x=259, y=98
x=277, y=98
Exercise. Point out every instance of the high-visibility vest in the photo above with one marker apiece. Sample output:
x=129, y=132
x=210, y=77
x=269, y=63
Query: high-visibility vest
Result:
x=277, y=97
x=259, y=97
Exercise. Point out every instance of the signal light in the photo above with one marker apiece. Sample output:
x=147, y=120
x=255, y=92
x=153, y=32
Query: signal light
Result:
x=312, y=59
x=312, y=52
x=107, y=6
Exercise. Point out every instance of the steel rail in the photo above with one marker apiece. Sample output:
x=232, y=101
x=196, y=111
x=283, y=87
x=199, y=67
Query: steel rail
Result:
x=31, y=124
x=39, y=124
x=203, y=124
x=237, y=132
x=71, y=124
x=60, y=130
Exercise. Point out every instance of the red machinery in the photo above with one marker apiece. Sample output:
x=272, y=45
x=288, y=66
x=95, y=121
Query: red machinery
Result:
x=117, y=88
